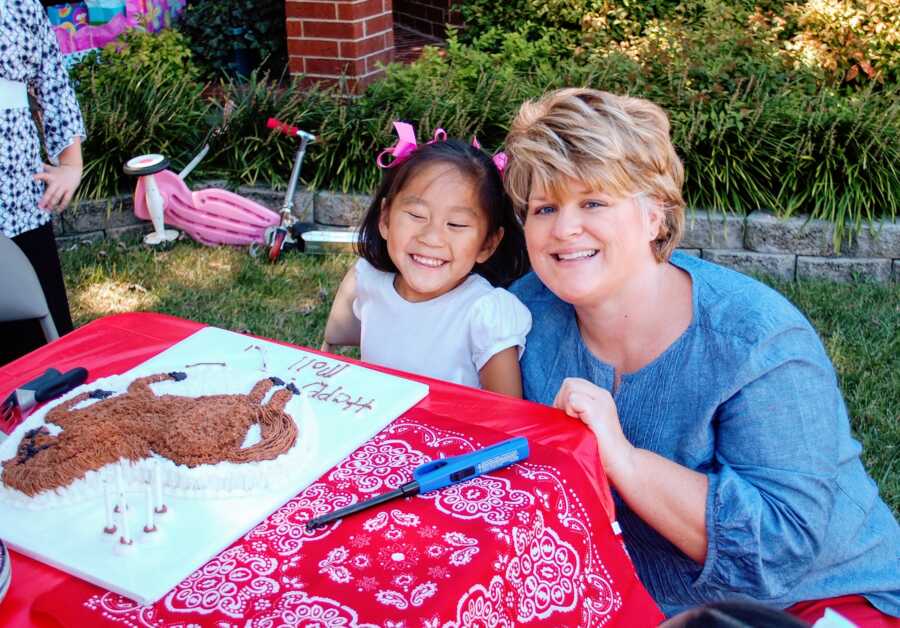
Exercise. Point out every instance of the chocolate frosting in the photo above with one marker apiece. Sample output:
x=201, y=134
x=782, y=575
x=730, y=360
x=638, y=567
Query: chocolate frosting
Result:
x=133, y=425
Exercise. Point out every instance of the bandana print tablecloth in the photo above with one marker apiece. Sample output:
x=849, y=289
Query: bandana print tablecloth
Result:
x=518, y=545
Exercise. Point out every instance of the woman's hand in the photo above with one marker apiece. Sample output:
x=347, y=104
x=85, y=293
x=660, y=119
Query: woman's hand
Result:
x=595, y=407
x=669, y=497
x=61, y=182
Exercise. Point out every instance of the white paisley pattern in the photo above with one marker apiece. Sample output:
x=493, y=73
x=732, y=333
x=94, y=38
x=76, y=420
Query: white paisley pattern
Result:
x=285, y=530
x=485, y=497
x=388, y=559
x=229, y=583
x=484, y=553
x=379, y=466
x=482, y=607
x=300, y=609
x=542, y=571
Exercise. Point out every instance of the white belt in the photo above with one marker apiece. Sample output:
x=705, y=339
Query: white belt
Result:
x=13, y=95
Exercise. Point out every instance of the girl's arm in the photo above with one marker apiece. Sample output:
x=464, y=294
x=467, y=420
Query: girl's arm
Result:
x=499, y=325
x=501, y=373
x=343, y=328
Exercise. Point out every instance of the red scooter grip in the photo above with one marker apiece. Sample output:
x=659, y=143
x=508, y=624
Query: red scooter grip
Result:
x=282, y=127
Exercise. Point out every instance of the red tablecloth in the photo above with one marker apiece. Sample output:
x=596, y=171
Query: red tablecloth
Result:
x=531, y=543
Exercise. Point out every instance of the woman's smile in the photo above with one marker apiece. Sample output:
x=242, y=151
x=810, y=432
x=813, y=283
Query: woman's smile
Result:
x=584, y=243
x=574, y=256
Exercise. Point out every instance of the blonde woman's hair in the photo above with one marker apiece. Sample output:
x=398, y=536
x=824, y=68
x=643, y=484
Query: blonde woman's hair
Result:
x=616, y=144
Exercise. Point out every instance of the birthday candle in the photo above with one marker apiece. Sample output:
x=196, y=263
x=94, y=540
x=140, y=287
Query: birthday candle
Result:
x=151, y=525
x=120, y=482
x=125, y=539
x=107, y=510
x=160, y=507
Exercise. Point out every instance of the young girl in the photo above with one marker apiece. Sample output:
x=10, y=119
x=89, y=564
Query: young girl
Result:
x=438, y=236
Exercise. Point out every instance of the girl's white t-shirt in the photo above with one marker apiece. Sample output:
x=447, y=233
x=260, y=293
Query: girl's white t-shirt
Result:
x=450, y=337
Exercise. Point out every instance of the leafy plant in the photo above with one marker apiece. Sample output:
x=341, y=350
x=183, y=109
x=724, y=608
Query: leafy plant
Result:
x=221, y=30
x=165, y=55
x=247, y=151
x=138, y=96
x=754, y=129
x=849, y=41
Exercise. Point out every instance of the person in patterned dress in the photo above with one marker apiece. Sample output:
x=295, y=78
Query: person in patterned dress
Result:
x=31, y=190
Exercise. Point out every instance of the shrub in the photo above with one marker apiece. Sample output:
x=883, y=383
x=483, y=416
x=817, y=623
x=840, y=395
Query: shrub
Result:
x=220, y=30
x=137, y=96
x=247, y=151
x=837, y=157
x=840, y=41
x=165, y=55
x=849, y=41
x=754, y=130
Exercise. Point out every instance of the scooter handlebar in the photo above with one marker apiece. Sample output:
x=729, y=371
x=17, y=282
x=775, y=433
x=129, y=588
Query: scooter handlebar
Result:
x=287, y=129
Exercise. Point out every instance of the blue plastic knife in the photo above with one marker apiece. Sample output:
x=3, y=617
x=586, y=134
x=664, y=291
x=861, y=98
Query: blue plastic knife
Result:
x=437, y=474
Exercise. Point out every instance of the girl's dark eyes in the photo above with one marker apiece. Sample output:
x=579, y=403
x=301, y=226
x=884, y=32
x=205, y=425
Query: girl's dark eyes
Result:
x=415, y=216
x=456, y=225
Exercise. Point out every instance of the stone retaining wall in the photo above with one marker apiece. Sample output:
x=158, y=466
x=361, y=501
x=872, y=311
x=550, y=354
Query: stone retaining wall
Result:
x=795, y=248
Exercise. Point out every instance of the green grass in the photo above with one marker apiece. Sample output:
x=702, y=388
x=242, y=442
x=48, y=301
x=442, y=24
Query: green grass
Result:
x=290, y=301
x=220, y=286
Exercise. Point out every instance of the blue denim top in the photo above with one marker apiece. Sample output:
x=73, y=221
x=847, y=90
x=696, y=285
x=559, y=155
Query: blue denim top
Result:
x=747, y=396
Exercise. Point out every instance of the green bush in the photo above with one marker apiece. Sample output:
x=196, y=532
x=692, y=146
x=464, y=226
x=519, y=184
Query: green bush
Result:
x=848, y=41
x=845, y=42
x=219, y=29
x=754, y=130
x=247, y=151
x=165, y=55
x=137, y=96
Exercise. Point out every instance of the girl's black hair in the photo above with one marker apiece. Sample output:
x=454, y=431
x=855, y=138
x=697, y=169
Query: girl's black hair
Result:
x=509, y=261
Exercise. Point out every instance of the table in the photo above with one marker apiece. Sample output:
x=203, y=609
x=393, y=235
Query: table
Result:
x=532, y=543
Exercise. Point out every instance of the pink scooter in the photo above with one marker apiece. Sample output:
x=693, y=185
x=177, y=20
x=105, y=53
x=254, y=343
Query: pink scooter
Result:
x=211, y=216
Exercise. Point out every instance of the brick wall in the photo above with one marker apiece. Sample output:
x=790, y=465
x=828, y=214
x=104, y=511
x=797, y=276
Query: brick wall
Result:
x=427, y=16
x=328, y=40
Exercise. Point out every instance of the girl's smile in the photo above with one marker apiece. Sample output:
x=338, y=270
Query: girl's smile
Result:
x=431, y=262
x=435, y=233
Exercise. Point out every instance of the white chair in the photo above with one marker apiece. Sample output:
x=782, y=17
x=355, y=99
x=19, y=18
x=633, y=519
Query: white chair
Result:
x=21, y=295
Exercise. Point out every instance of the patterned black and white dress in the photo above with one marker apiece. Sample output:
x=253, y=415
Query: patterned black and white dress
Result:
x=29, y=53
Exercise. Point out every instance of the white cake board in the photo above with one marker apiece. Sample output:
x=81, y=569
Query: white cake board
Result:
x=196, y=529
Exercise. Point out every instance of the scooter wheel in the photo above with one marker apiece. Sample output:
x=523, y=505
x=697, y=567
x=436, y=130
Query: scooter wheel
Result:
x=277, y=245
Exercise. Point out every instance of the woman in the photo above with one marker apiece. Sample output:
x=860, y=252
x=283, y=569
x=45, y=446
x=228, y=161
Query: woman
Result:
x=29, y=189
x=716, y=410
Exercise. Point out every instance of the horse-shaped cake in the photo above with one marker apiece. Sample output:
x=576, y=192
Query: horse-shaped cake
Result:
x=136, y=424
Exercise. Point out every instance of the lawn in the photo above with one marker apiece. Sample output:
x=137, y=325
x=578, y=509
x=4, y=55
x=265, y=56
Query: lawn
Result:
x=226, y=287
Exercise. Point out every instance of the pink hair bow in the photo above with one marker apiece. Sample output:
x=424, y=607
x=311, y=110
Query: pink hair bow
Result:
x=406, y=145
x=500, y=159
